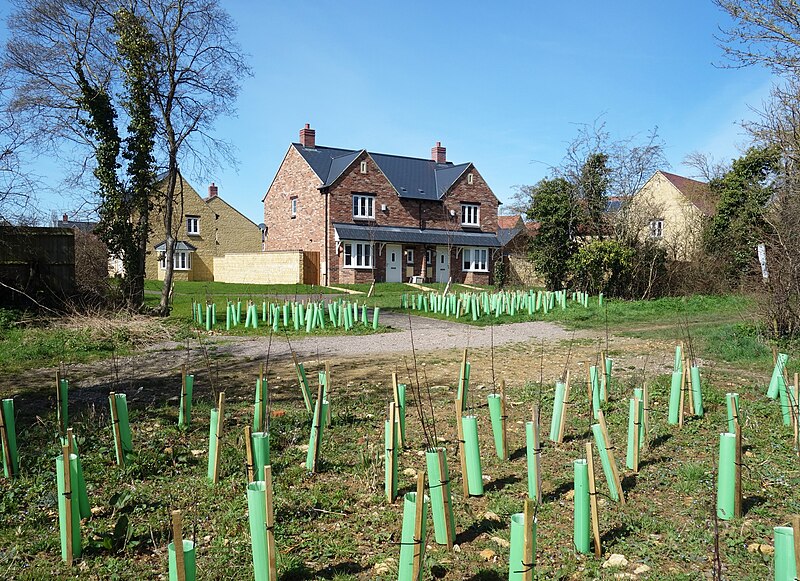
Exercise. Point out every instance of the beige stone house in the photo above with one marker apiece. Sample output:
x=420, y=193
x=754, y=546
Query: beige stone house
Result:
x=210, y=228
x=672, y=210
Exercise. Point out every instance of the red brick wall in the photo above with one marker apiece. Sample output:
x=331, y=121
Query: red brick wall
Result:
x=306, y=231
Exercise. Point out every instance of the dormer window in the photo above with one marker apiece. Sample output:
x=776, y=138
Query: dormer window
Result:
x=470, y=214
x=193, y=225
x=363, y=167
x=363, y=206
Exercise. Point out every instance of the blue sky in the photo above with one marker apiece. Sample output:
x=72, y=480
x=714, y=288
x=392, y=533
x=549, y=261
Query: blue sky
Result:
x=501, y=84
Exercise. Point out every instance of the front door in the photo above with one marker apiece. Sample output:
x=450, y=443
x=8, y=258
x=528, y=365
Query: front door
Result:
x=394, y=257
x=442, y=264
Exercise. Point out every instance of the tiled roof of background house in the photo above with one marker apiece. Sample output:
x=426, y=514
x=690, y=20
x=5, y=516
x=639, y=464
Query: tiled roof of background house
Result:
x=513, y=222
x=695, y=191
x=412, y=177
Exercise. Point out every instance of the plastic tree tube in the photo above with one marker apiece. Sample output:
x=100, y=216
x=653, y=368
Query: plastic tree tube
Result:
x=533, y=466
x=257, y=509
x=632, y=434
x=472, y=450
x=558, y=406
x=212, y=443
x=260, y=444
x=375, y=317
x=596, y=395
x=674, y=397
x=9, y=426
x=184, y=419
x=786, y=409
x=63, y=399
x=581, y=508
x=441, y=500
x=79, y=495
x=777, y=383
x=609, y=365
x=602, y=447
x=726, y=476
x=732, y=404
x=401, y=410
x=75, y=517
x=260, y=405
x=189, y=564
x=316, y=433
x=126, y=443
x=697, y=391
x=390, y=463
x=516, y=561
x=408, y=544
x=495, y=413
x=785, y=564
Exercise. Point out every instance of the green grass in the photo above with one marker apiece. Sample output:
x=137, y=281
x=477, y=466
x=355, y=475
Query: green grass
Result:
x=199, y=289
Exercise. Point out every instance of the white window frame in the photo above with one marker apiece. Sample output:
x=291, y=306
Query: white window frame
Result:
x=358, y=255
x=430, y=257
x=470, y=215
x=181, y=260
x=293, y=206
x=193, y=220
x=469, y=178
x=474, y=259
x=363, y=206
x=657, y=228
x=409, y=257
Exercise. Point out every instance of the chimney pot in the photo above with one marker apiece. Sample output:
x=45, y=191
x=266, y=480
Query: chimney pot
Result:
x=308, y=137
x=64, y=218
x=439, y=153
x=212, y=190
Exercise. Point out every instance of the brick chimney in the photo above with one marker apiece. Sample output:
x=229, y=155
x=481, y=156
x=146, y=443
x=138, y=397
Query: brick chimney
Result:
x=212, y=190
x=64, y=218
x=307, y=137
x=439, y=153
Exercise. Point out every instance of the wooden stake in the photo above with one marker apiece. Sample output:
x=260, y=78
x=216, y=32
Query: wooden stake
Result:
x=462, y=453
x=183, y=391
x=270, y=522
x=58, y=403
x=177, y=542
x=601, y=419
x=67, y=503
x=448, y=513
x=248, y=447
x=70, y=441
x=392, y=417
x=4, y=439
x=774, y=355
x=503, y=418
x=562, y=424
x=527, y=541
x=418, y=540
x=588, y=383
x=737, y=494
x=396, y=395
x=593, y=501
x=537, y=452
x=117, y=436
x=220, y=419
x=636, y=404
x=796, y=532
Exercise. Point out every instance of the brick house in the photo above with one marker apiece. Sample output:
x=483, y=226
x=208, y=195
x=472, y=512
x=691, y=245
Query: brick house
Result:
x=384, y=217
x=209, y=229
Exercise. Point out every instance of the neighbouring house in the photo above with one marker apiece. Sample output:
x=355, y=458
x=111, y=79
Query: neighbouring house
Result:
x=364, y=216
x=671, y=210
x=515, y=238
x=208, y=229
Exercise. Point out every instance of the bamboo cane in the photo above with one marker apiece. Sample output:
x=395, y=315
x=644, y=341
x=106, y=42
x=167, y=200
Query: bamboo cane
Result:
x=177, y=542
x=270, y=522
x=58, y=403
x=220, y=419
x=68, y=503
x=418, y=540
x=737, y=494
x=593, y=500
x=248, y=447
x=601, y=419
x=527, y=542
x=184, y=403
x=117, y=436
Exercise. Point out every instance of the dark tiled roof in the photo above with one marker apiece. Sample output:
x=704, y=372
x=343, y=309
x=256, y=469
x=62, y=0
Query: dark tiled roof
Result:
x=82, y=226
x=506, y=235
x=180, y=245
x=414, y=235
x=695, y=191
x=412, y=177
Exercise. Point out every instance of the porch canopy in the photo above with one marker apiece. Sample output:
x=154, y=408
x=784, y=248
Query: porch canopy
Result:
x=405, y=235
